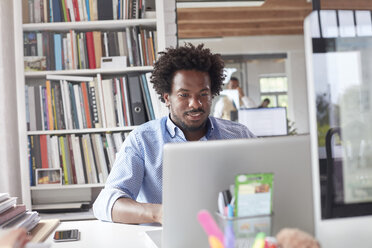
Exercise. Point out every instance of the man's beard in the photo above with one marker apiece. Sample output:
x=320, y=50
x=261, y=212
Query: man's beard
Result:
x=186, y=127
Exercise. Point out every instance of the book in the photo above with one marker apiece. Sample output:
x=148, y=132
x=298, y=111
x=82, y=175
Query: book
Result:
x=108, y=97
x=71, y=159
x=96, y=158
x=44, y=151
x=25, y=12
x=94, y=103
x=101, y=100
x=49, y=104
x=123, y=102
x=11, y=213
x=97, y=47
x=27, y=221
x=88, y=115
x=32, y=162
x=7, y=204
x=75, y=119
x=146, y=97
x=43, y=229
x=127, y=101
x=4, y=196
x=62, y=153
x=78, y=106
x=111, y=150
x=58, y=51
x=118, y=102
x=31, y=108
x=90, y=50
x=104, y=8
x=78, y=159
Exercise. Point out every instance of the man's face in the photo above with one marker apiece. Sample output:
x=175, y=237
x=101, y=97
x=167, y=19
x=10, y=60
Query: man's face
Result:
x=190, y=99
x=233, y=84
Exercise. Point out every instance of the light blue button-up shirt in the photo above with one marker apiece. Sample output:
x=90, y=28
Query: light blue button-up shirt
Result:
x=137, y=171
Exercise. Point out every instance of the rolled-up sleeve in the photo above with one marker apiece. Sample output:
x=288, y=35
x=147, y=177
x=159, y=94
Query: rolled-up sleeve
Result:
x=124, y=181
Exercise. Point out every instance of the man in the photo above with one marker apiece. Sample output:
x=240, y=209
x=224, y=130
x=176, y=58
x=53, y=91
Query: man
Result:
x=186, y=79
x=245, y=101
x=265, y=103
x=224, y=106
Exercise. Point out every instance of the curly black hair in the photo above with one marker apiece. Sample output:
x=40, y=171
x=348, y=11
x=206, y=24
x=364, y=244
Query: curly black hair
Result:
x=188, y=57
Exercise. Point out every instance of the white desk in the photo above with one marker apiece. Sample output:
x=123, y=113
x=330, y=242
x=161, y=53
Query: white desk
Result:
x=95, y=233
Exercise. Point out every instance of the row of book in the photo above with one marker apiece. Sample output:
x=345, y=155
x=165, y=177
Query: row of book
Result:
x=16, y=216
x=39, y=11
x=85, y=50
x=87, y=102
x=82, y=158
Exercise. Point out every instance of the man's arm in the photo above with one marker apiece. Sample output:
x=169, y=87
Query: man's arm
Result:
x=126, y=210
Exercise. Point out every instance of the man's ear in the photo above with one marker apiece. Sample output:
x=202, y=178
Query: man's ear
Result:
x=166, y=99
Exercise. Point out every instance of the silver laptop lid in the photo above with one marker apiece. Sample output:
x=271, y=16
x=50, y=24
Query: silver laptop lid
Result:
x=194, y=173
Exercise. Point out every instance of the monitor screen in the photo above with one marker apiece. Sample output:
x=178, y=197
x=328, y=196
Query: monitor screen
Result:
x=264, y=121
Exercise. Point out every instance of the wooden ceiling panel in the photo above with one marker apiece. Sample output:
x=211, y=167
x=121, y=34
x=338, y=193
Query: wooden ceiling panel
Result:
x=274, y=17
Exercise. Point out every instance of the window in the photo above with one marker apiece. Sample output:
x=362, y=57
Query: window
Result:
x=274, y=88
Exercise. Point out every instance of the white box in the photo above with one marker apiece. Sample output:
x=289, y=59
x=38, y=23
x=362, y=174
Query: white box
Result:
x=115, y=62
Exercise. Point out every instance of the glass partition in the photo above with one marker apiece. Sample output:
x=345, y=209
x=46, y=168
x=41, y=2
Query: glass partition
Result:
x=342, y=72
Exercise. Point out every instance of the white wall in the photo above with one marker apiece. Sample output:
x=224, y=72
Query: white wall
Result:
x=9, y=154
x=257, y=68
x=293, y=46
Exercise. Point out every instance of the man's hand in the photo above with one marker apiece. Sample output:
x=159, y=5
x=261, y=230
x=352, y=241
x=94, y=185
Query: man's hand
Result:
x=16, y=238
x=295, y=238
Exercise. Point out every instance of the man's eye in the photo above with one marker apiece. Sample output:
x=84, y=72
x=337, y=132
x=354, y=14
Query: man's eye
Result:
x=204, y=94
x=183, y=95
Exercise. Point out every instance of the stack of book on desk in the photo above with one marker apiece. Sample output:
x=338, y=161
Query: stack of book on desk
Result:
x=16, y=216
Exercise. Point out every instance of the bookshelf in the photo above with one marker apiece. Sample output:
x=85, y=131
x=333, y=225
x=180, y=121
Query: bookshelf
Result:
x=165, y=26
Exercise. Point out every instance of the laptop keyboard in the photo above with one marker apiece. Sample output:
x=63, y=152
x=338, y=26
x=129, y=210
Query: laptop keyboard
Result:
x=244, y=243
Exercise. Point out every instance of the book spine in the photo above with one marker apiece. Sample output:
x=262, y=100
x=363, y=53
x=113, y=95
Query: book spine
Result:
x=55, y=120
x=84, y=89
x=90, y=49
x=49, y=102
x=44, y=151
x=72, y=159
x=63, y=156
x=73, y=107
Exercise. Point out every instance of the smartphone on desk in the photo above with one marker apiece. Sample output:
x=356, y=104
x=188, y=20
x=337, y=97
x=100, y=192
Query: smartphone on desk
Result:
x=66, y=235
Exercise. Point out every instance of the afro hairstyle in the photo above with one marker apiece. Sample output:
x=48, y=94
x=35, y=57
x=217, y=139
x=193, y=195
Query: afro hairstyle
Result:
x=187, y=57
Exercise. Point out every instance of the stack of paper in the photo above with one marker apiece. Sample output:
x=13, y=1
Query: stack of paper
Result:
x=6, y=202
x=27, y=220
x=15, y=216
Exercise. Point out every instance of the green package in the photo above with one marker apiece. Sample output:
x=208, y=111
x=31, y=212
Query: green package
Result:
x=253, y=194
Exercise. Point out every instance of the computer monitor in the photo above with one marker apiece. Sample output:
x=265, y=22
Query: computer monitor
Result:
x=195, y=172
x=264, y=121
x=338, y=45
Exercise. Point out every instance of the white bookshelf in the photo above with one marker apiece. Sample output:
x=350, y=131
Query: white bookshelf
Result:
x=89, y=25
x=164, y=23
x=85, y=130
x=72, y=186
x=82, y=72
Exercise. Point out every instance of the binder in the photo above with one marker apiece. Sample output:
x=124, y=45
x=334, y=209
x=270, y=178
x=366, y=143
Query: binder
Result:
x=105, y=10
x=137, y=104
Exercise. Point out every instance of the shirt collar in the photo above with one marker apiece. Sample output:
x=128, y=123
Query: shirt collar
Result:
x=172, y=128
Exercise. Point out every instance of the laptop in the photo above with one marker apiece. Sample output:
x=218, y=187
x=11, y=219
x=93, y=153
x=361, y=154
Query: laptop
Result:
x=195, y=172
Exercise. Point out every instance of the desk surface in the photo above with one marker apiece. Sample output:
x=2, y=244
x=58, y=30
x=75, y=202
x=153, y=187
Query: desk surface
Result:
x=95, y=233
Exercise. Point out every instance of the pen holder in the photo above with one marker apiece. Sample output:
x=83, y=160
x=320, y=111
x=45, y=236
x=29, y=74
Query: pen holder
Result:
x=245, y=229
